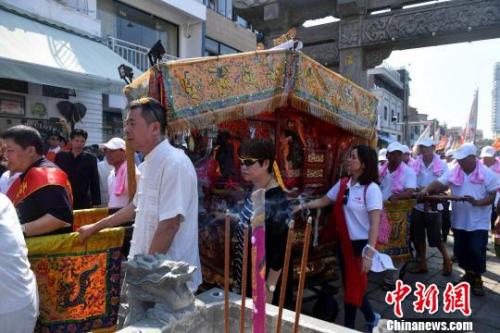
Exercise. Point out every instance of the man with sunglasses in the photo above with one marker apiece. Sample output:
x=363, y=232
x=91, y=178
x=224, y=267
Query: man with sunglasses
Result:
x=165, y=206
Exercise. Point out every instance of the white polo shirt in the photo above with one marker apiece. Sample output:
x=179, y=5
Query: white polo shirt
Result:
x=356, y=211
x=464, y=216
x=427, y=176
x=17, y=281
x=168, y=188
x=409, y=180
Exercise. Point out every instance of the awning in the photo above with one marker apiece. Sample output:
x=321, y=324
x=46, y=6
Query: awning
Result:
x=385, y=138
x=35, y=52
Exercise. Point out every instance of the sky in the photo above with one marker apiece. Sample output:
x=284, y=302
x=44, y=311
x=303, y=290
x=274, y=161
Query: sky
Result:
x=444, y=78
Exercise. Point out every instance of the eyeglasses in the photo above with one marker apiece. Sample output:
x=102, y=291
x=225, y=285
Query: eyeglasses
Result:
x=248, y=161
x=346, y=196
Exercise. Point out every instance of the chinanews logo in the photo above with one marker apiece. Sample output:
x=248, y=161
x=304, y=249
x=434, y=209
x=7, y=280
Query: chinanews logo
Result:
x=427, y=300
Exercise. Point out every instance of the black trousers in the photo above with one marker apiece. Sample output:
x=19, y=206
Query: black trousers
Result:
x=350, y=309
x=470, y=249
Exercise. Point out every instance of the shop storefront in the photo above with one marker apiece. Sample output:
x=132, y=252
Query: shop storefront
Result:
x=69, y=77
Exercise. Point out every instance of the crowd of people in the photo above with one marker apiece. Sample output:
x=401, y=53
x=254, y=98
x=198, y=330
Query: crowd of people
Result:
x=41, y=187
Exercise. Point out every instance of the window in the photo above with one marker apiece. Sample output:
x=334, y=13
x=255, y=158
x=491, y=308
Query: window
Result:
x=385, y=112
x=137, y=27
x=214, y=48
x=14, y=85
x=57, y=92
x=12, y=104
x=223, y=7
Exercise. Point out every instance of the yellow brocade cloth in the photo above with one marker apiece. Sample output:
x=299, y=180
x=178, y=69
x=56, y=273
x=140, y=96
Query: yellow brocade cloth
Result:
x=83, y=217
x=398, y=246
x=79, y=285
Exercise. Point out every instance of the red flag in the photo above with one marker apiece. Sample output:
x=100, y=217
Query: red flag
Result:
x=469, y=134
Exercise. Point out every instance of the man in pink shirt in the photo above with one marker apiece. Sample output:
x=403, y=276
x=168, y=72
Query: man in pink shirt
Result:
x=114, y=150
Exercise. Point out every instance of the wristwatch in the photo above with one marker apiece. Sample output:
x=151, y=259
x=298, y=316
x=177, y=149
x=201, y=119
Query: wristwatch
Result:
x=271, y=288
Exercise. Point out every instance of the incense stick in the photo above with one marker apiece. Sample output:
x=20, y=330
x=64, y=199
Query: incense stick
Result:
x=244, y=280
x=284, y=276
x=302, y=278
x=226, y=272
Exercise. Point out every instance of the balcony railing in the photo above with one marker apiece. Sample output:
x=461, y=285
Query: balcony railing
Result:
x=135, y=54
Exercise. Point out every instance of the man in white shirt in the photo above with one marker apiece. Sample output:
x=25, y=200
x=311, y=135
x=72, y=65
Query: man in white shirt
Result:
x=470, y=219
x=426, y=221
x=488, y=157
x=398, y=181
x=165, y=206
x=407, y=178
x=104, y=169
x=18, y=290
x=117, y=179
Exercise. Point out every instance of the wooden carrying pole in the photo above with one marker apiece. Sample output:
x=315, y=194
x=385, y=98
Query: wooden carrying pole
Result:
x=284, y=273
x=302, y=278
x=226, y=271
x=244, y=280
x=131, y=176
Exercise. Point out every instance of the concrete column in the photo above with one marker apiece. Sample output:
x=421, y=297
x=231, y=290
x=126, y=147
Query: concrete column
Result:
x=351, y=65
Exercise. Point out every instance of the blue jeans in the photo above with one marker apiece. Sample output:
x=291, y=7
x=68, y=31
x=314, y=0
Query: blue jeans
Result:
x=470, y=249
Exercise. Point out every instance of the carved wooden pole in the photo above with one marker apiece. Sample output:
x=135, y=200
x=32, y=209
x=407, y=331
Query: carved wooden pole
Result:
x=227, y=237
x=244, y=279
x=302, y=278
x=131, y=180
x=284, y=276
x=259, y=261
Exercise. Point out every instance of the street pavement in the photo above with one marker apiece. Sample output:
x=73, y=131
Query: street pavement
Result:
x=485, y=310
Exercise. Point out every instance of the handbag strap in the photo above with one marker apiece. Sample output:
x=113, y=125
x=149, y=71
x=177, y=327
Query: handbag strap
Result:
x=364, y=192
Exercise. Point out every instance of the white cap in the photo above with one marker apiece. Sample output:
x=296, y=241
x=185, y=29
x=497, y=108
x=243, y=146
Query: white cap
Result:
x=465, y=150
x=396, y=146
x=488, y=151
x=115, y=144
x=382, y=155
x=426, y=142
x=449, y=153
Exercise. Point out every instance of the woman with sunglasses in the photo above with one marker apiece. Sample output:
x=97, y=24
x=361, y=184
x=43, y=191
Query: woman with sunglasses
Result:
x=257, y=158
x=357, y=206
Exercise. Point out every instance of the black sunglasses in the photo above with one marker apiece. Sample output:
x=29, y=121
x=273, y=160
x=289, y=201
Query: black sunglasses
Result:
x=248, y=161
x=346, y=196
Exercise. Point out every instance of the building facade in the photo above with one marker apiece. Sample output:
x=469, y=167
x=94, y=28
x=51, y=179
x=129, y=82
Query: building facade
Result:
x=226, y=33
x=59, y=58
x=495, y=101
x=391, y=88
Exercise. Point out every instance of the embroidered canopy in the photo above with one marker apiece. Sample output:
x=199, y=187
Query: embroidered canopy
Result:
x=203, y=92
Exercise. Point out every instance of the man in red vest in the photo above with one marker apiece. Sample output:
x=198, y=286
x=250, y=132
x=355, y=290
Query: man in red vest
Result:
x=42, y=193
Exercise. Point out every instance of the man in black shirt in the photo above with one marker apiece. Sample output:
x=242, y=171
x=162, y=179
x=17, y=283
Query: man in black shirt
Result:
x=81, y=168
x=42, y=193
